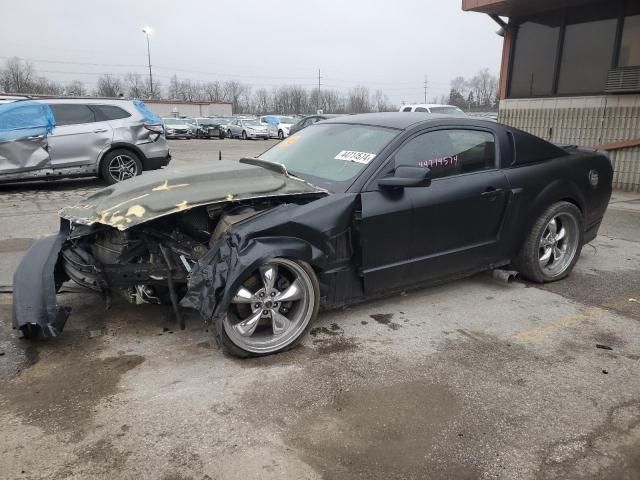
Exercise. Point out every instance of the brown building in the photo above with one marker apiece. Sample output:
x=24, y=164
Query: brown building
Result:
x=571, y=73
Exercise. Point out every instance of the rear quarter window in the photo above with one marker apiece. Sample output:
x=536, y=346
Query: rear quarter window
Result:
x=109, y=112
x=529, y=148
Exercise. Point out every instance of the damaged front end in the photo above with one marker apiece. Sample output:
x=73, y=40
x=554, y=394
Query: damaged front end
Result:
x=147, y=239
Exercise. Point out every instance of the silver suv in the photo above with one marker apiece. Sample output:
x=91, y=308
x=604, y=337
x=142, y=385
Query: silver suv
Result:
x=109, y=138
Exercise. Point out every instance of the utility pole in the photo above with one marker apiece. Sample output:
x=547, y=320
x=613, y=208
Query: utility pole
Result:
x=147, y=31
x=426, y=84
x=318, y=100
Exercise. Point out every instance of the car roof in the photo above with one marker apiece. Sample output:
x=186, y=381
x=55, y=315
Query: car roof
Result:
x=428, y=105
x=404, y=120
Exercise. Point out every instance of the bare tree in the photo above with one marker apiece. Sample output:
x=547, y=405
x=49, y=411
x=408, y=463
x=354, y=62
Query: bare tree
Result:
x=44, y=86
x=76, y=89
x=262, y=101
x=381, y=102
x=174, y=88
x=17, y=76
x=135, y=85
x=359, y=100
x=232, y=91
x=109, y=86
x=213, y=91
x=484, y=86
x=299, y=99
x=157, y=89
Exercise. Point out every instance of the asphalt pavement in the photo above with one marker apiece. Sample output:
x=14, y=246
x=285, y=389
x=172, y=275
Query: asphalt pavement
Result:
x=473, y=379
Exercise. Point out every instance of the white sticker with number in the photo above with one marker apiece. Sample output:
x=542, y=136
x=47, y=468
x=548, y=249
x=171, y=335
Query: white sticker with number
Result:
x=351, y=156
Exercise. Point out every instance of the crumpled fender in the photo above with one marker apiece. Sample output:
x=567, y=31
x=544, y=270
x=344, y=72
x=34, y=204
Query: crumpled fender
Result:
x=230, y=262
x=35, y=310
x=300, y=232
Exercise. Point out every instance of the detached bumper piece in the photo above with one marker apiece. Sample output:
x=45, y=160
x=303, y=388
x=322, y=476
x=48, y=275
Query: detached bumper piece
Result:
x=35, y=284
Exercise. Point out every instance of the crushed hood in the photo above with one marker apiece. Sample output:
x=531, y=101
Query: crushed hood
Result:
x=164, y=192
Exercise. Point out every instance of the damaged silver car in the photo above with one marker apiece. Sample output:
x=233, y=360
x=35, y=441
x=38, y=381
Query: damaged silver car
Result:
x=347, y=209
x=54, y=138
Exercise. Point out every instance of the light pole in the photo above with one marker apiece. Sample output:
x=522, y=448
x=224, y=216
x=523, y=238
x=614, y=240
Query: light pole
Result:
x=147, y=31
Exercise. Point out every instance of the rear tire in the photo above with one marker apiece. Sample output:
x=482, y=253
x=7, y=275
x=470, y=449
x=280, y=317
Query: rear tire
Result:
x=229, y=134
x=119, y=165
x=553, y=246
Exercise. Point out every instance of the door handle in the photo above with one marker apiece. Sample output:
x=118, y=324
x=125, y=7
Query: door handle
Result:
x=492, y=193
x=36, y=137
x=100, y=130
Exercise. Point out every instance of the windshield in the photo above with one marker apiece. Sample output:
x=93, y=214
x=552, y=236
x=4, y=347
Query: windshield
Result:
x=251, y=123
x=174, y=121
x=447, y=111
x=330, y=154
x=289, y=120
x=205, y=121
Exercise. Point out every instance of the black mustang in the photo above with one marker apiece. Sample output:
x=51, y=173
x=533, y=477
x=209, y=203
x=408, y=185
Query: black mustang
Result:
x=347, y=209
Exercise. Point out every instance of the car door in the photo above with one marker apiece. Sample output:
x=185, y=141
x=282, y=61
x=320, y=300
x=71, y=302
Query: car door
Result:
x=78, y=138
x=24, y=154
x=456, y=221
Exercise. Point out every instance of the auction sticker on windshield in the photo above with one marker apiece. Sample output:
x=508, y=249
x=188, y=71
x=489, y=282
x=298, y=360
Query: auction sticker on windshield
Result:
x=351, y=156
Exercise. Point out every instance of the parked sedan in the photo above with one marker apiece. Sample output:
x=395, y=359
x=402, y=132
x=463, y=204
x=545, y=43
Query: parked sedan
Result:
x=247, y=128
x=209, y=128
x=348, y=209
x=278, y=125
x=176, y=128
x=310, y=120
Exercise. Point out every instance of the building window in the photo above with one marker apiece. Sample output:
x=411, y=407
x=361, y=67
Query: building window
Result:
x=534, y=58
x=630, y=43
x=586, y=56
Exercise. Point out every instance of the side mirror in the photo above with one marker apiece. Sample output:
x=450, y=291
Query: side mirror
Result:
x=407, y=177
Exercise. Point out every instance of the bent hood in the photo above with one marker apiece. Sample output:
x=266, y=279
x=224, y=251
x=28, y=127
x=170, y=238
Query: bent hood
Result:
x=164, y=192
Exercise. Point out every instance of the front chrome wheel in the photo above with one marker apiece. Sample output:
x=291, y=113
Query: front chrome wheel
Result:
x=122, y=167
x=558, y=244
x=273, y=308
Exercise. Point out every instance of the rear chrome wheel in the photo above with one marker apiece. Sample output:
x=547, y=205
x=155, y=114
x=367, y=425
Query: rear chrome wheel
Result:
x=271, y=311
x=553, y=244
x=558, y=244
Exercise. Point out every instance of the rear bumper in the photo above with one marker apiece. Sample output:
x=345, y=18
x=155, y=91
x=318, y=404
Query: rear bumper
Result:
x=155, y=163
x=591, y=232
x=35, y=284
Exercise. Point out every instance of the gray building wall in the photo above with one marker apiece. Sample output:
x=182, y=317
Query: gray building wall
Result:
x=166, y=109
x=584, y=121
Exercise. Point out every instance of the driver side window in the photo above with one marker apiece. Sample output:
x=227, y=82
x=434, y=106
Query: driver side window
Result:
x=449, y=152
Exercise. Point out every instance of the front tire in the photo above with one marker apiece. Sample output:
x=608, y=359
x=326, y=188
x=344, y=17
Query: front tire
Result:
x=119, y=165
x=280, y=134
x=553, y=245
x=244, y=135
x=272, y=310
x=229, y=134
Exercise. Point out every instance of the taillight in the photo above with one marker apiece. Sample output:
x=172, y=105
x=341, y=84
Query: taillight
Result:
x=155, y=128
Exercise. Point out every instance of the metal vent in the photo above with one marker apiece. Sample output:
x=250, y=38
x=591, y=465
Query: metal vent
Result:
x=623, y=80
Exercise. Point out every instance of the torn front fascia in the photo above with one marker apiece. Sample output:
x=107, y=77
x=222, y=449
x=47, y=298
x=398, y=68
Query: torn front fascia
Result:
x=303, y=232
x=35, y=284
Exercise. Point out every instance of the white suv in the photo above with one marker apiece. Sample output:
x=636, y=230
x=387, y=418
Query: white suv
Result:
x=434, y=108
x=109, y=138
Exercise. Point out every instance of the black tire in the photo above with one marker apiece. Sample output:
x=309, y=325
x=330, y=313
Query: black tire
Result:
x=230, y=348
x=528, y=260
x=244, y=135
x=280, y=134
x=229, y=134
x=107, y=163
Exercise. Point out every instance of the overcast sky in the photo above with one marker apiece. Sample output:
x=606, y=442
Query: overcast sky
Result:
x=389, y=45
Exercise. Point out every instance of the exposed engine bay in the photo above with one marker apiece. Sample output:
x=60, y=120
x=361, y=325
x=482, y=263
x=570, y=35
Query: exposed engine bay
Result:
x=150, y=263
